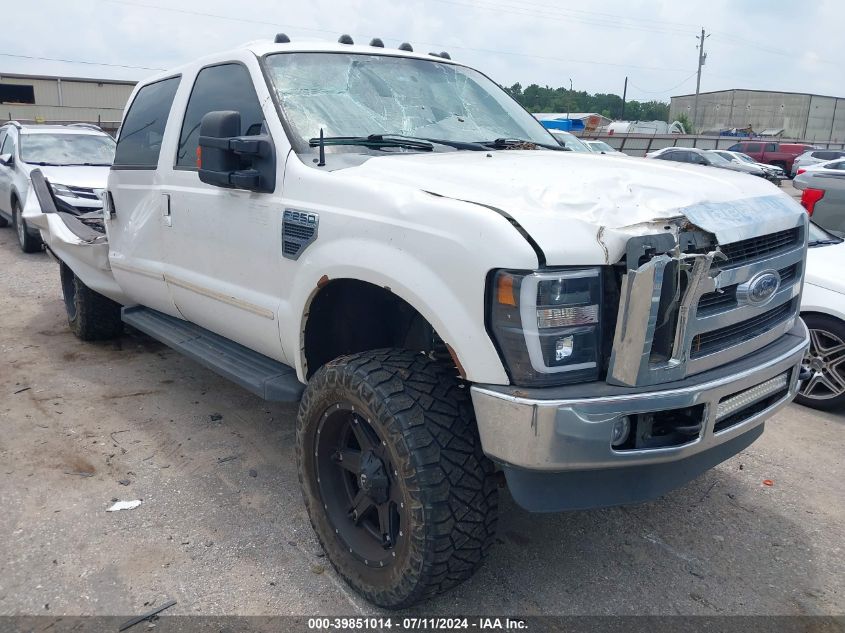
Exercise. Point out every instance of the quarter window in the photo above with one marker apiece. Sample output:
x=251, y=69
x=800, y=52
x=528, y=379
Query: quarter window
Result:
x=8, y=144
x=139, y=143
x=224, y=87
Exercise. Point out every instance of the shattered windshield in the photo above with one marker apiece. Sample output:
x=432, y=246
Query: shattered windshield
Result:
x=358, y=95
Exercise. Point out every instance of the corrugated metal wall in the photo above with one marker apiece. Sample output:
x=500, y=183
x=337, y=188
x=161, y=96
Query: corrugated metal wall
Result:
x=68, y=100
x=802, y=116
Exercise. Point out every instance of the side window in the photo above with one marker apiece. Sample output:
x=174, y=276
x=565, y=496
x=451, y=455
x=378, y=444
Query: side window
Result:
x=771, y=147
x=224, y=87
x=839, y=166
x=736, y=147
x=754, y=147
x=139, y=143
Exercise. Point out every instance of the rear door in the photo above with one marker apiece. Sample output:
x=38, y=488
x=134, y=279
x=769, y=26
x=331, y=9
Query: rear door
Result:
x=135, y=230
x=754, y=150
x=224, y=261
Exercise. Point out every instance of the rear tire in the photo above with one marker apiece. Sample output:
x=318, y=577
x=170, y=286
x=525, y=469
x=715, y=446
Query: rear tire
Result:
x=27, y=243
x=825, y=358
x=395, y=431
x=90, y=315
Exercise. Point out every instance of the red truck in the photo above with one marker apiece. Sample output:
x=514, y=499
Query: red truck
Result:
x=772, y=152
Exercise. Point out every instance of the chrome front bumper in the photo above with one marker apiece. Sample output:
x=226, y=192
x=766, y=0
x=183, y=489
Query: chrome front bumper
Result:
x=532, y=436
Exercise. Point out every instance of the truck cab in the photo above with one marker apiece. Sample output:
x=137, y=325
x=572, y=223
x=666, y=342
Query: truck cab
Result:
x=772, y=152
x=389, y=239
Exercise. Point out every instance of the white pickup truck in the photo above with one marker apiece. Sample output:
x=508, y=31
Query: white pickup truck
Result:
x=390, y=239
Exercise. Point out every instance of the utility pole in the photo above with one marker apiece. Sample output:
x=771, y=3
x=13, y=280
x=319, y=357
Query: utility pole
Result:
x=624, y=94
x=569, y=101
x=702, y=57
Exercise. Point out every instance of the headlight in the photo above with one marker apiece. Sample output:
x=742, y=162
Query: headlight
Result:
x=547, y=324
x=63, y=190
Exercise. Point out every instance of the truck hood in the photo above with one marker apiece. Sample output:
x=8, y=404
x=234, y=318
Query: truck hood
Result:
x=90, y=177
x=583, y=208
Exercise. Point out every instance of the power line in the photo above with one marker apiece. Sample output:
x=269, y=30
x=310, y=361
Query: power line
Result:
x=77, y=61
x=660, y=92
x=432, y=44
x=561, y=15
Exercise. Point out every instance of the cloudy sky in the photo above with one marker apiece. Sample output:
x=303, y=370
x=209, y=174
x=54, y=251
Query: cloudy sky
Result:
x=771, y=44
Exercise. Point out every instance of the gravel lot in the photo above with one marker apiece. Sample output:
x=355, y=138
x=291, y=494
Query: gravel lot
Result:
x=222, y=528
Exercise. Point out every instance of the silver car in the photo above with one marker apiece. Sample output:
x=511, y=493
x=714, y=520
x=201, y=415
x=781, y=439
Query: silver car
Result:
x=823, y=194
x=772, y=173
x=703, y=157
x=814, y=157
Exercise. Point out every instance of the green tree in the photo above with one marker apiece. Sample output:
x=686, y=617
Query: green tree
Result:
x=683, y=119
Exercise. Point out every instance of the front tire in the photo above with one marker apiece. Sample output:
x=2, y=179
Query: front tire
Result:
x=825, y=358
x=27, y=243
x=398, y=490
x=90, y=315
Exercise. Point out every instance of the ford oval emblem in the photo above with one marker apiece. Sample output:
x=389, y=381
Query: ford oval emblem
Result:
x=760, y=289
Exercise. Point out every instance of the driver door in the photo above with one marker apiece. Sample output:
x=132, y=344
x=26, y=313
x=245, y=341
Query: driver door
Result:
x=223, y=246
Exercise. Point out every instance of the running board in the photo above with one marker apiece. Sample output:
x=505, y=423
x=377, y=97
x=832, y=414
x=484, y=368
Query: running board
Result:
x=263, y=376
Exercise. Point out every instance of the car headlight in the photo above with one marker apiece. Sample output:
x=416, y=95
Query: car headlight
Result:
x=63, y=190
x=547, y=324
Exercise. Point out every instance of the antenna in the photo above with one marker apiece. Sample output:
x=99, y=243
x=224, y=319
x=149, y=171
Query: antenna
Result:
x=322, y=151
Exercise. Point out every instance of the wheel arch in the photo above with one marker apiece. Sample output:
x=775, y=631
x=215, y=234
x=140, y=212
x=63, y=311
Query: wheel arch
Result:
x=349, y=315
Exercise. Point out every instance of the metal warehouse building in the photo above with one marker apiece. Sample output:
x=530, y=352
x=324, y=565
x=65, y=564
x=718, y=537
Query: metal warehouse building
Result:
x=44, y=99
x=800, y=116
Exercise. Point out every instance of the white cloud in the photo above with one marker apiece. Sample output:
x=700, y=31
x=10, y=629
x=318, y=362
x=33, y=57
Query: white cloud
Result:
x=768, y=45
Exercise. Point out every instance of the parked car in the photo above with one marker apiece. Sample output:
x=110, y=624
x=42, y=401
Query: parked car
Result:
x=823, y=310
x=570, y=141
x=823, y=193
x=75, y=159
x=772, y=173
x=710, y=158
x=600, y=147
x=443, y=298
x=772, y=152
x=814, y=157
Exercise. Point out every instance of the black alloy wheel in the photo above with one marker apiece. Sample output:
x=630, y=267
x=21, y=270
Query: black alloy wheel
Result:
x=362, y=496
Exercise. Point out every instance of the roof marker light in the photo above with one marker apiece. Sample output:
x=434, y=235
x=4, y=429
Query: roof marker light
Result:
x=281, y=38
x=376, y=41
x=404, y=46
x=345, y=39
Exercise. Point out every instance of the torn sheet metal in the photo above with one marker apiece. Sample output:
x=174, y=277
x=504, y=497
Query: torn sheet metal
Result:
x=582, y=208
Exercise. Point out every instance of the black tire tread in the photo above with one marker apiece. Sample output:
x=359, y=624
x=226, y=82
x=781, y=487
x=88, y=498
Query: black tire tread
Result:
x=97, y=317
x=427, y=410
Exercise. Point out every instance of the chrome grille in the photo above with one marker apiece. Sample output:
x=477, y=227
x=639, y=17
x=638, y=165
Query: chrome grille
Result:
x=715, y=340
x=726, y=299
x=709, y=322
x=752, y=249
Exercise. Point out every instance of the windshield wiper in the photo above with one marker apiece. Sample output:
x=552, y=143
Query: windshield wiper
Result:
x=374, y=140
x=505, y=143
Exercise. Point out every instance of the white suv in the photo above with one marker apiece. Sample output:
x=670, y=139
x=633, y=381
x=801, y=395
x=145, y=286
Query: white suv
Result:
x=74, y=158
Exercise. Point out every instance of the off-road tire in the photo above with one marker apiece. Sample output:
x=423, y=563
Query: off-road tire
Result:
x=91, y=316
x=425, y=418
x=825, y=332
x=27, y=242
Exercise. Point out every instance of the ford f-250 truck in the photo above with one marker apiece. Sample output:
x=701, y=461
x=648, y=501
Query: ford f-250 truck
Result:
x=390, y=239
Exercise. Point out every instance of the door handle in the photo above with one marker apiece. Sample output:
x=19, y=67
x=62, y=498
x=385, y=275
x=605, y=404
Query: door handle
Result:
x=165, y=206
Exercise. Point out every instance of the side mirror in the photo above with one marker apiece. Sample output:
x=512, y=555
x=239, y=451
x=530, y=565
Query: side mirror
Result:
x=225, y=159
x=7, y=159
